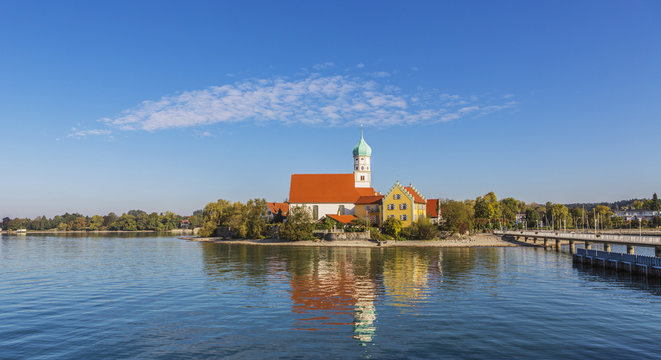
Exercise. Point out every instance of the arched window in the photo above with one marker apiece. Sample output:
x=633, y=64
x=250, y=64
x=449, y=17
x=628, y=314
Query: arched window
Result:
x=362, y=168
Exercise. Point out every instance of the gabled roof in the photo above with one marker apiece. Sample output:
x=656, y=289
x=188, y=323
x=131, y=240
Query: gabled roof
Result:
x=372, y=199
x=344, y=219
x=325, y=188
x=432, y=208
x=274, y=207
x=416, y=196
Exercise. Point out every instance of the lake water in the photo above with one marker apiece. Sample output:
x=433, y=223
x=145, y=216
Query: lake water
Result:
x=160, y=297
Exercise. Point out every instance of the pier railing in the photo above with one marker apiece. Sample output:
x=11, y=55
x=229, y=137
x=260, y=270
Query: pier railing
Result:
x=627, y=239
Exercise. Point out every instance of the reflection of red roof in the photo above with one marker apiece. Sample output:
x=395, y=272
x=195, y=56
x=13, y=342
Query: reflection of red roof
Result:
x=325, y=188
x=344, y=219
x=275, y=206
x=416, y=196
x=432, y=208
x=365, y=200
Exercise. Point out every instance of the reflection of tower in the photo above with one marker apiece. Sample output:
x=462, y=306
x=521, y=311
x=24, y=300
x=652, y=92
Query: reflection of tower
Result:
x=365, y=311
x=362, y=155
x=336, y=291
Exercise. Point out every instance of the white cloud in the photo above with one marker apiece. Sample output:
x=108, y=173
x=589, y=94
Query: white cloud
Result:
x=312, y=100
x=84, y=133
x=360, y=66
x=323, y=66
x=381, y=74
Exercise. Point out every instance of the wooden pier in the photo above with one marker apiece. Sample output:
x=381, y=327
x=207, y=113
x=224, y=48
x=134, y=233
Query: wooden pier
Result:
x=645, y=265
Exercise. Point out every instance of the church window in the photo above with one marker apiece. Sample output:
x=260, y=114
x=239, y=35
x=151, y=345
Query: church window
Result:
x=362, y=168
x=356, y=167
x=362, y=177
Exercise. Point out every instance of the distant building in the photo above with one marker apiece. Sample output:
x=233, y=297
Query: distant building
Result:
x=276, y=207
x=369, y=208
x=629, y=215
x=434, y=210
x=342, y=219
x=404, y=203
x=185, y=224
x=520, y=218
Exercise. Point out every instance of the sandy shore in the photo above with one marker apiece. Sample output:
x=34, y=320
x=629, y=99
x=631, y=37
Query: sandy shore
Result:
x=480, y=240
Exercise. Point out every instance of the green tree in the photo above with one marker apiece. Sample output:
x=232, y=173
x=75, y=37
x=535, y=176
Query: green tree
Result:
x=457, y=216
x=96, y=223
x=392, y=226
x=487, y=208
x=299, y=225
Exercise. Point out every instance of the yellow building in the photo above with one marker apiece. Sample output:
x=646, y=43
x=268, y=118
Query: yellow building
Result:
x=369, y=208
x=404, y=203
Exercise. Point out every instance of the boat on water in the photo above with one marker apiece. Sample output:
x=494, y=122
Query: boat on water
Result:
x=21, y=231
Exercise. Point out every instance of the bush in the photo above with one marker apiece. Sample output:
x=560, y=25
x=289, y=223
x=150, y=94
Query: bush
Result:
x=423, y=229
x=392, y=227
x=299, y=225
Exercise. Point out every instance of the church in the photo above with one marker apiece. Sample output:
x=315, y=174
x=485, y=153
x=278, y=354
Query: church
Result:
x=334, y=194
x=344, y=197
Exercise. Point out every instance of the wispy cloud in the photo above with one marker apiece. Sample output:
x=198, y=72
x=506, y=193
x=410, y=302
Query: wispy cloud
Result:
x=323, y=66
x=76, y=133
x=338, y=100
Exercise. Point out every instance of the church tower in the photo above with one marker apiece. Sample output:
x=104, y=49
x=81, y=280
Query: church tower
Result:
x=362, y=173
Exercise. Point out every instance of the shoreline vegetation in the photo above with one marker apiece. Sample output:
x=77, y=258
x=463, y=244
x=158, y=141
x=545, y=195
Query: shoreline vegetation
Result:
x=477, y=240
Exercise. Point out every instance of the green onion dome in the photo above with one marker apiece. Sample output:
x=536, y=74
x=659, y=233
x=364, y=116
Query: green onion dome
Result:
x=362, y=149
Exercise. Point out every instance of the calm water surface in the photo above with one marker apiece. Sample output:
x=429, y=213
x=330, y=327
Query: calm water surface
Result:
x=160, y=297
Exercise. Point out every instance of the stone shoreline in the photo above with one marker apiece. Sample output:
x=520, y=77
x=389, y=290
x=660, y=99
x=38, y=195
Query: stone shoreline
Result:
x=480, y=240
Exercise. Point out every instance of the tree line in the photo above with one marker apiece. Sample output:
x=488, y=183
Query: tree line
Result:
x=134, y=220
x=487, y=213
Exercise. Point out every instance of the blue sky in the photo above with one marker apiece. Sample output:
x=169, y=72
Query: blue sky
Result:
x=163, y=105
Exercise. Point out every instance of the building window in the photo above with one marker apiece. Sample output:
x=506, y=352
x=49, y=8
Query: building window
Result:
x=391, y=216
x=391, y=206
x=315, y=212
x=397, y=196
x=356, y=167
x=367, y=208
x=362, y=177
x=362, y=168
x=402, y=217
x=403, y=206
x=356, y=160
x=376, y=207
x=341, y=209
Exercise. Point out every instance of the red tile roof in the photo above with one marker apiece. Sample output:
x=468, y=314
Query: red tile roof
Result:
x=344, y=219
x=325, y=188
x=372, y=199
x=415, y=195
x=275, y=206
x=432, y=208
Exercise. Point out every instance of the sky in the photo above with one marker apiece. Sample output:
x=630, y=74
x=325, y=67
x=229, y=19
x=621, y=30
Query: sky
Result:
x=168, y=105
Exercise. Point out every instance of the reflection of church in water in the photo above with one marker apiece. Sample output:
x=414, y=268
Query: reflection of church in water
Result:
x=336, y=291
x=339, y=287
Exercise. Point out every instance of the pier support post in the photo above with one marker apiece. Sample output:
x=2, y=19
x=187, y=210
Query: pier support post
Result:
x=588, y=246
x=657, y=251
x=525, y=239
x=572, y=247
x=534, y=240
x=630, y=249
x=557, y=244
x=607, y=247
x=546, y=243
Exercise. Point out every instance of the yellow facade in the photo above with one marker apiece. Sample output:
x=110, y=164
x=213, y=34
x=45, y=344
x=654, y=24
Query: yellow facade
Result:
x=369, y=212
x=400, y=204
